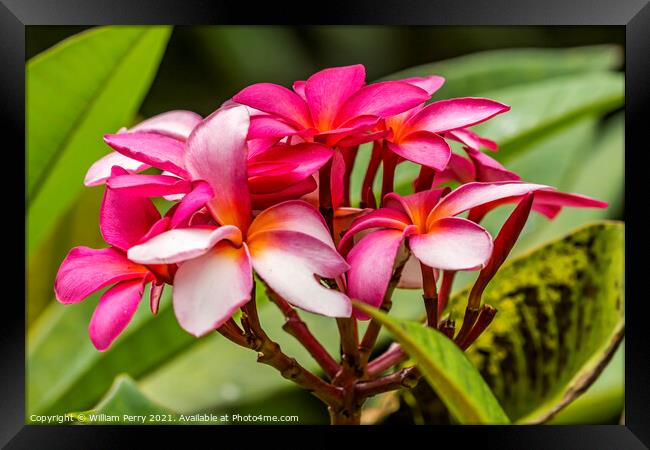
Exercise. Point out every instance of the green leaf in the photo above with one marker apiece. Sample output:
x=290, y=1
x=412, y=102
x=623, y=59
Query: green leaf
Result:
x=560, y=319
x=88, y=85
x=123, y=399
x=446, y=368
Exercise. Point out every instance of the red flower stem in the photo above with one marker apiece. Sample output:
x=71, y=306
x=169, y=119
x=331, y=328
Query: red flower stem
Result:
x=389, y=160
x=295, y=326
x=349, y=156
x=407, y=377
x=232, y=332
x=424, y=181
x=270, y=353
x=391, y=357
x=430, y=296
x=374, y=327
x=445, y=290
x=371, y=172
x=484, y=319
x=325, y=195
x=448, y=327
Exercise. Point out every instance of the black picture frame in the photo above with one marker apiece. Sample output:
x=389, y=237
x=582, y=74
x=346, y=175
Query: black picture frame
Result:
x=634, y=15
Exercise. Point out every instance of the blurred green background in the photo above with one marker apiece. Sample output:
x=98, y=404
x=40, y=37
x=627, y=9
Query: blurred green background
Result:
x=568, y=131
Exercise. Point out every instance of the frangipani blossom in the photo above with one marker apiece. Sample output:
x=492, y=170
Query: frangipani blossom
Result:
x=275, y=174
x=331, y=105
x=433, y=234
x=288, y=245
x=173, y=124
x=125, y=220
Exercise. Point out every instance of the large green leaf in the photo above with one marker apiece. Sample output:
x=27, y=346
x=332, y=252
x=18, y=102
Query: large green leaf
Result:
x=560, y=319
x=474, y=74
x=449, y=372
x=88, y=85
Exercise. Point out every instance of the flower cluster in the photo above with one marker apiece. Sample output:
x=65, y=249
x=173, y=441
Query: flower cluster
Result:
x=262, y=187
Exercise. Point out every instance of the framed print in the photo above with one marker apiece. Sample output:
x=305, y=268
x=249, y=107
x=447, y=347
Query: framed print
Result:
x=384, y=215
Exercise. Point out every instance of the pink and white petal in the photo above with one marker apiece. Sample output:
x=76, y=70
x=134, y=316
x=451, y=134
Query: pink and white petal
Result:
x=149, y=185
x=217, y=153
x=278, y=100
x=294, y=191
x=446, y=115
x=453, y=243
x=289, y=261
x=101, y=169
x=411, y=277
x=162, y=152
x=86, y=270
x=177, y=124
x=209, y=289
x=343, y=218
x=382, y=99
x=489, y=169
x=181, y=244
x=471, y=139
x=154, y=296
x=161, y=226
x=192, y=202
x=326, y=92
x=430, y=84
x=371, y=261
x=114, y=311
x=293, y=215
x=471, y=195
x=423, y=148
x=378, y=218
x=124, y=217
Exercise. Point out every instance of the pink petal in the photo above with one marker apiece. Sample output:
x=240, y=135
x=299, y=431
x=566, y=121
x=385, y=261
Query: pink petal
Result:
x=371, y=266
x=101, y=169
x=326, y=92
x=114, y=312
x=296, y=163
x=430, y=84
x=294, y=215
x=154, y=296
x=177, y=124
x=295, y=191
x=265, y=126
x=453, y=243
x=471, y=195
x=216, y=153
x=86, y=270
x=379, y=218
x=289, y=261
x=489, y=169
x=277, y=100
x=337, y=180
x=192, y=202
x=381, y=99
x=149, y=185
x=343, y=218
x=124, y=218
x=423, y=148
x=159, y=151
x=459, y=169
x=455, y=113
x=412, y=274
x=181, y=244
x=471, y=139
x=417, y=206
x=209, y=289
x=159, y=227
x=299, y=88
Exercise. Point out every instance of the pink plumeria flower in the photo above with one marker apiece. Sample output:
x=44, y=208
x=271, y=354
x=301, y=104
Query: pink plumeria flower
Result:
x=176, y=124
x=288, y=245
x=331, y=105
x=418, y=135
x=434, y=235
x=275, y=174
x=125, y=220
